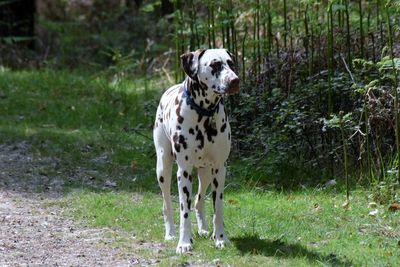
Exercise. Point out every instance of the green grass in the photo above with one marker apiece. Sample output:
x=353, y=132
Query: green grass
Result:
x=100, y=132
x=267, y=228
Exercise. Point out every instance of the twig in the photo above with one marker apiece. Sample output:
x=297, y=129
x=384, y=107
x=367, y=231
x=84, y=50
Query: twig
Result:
x=347, y=68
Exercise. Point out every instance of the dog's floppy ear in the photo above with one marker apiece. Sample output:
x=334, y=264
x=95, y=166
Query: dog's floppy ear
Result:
x=190, y=62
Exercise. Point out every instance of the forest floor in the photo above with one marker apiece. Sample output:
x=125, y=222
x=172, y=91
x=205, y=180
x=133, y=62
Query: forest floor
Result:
x=34, y=231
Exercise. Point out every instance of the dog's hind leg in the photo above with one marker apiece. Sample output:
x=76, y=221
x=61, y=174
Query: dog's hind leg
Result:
x=164, y=173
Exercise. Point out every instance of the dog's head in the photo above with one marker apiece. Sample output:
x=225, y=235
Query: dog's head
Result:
x=212, y=68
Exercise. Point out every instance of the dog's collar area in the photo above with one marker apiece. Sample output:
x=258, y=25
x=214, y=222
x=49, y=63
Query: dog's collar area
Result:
x=201, y=111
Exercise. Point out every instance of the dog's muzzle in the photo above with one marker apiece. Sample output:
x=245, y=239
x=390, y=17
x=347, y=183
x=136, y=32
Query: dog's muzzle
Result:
x=233, y=86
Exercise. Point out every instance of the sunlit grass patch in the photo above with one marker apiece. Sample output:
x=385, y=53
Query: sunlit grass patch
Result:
x=269, y=228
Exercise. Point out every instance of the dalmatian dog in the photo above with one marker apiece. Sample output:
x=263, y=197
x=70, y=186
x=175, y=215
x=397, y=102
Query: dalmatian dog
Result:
x=192, y=128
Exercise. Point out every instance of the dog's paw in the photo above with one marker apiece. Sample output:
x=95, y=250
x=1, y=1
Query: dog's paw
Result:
x=203, y=233
x=169, y=237
x=220, y=240
x=183, y=248
x=221, y=243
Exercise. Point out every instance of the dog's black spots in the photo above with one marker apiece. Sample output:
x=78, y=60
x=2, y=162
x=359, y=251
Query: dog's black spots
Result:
x=210, y=131
x=216, y=67
x=221, y=235
x=177, y=147
x=207, y=101
x=191, y=240
x=215, y=182
x=213, y=86
x=201, y=103
x=200, y=117
x=214, y=237
x=186, y=158
x=200, y=137
x=189, y=203
x=203, y=89
x=185, y=174
x=221, y=196
x=216, y=171
x=161, y=179
x=197, y=127
x=191, y=131
x=199, y=157
x=190, y=178
x=179, y=178
x=231, y=64
x=195, y=151
x=212, y=170
x=206, y=79
x=223, y=127
x=185, y=215
x=181, y=206
x=223, y=120
x=214, y=196
x=160, y=119
x=182, y=141
x=178, y=127
x=229, y=136
x=196, y=90
x=186, y=191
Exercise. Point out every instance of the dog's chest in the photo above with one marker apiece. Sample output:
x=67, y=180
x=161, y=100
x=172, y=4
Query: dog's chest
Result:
x=195, y=139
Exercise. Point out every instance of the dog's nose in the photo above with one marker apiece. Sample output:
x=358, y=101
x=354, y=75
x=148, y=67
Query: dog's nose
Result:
x=233, y=87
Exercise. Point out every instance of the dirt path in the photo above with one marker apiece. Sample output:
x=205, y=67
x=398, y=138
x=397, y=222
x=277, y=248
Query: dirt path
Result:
x=33, y=232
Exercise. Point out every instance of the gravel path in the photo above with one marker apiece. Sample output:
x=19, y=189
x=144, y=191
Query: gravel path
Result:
x=33, y=232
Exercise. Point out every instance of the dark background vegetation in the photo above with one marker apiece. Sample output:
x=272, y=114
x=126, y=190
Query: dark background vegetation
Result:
x=318, y=99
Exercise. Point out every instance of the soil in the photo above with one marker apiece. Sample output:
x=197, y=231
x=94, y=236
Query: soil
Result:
x=36, y=232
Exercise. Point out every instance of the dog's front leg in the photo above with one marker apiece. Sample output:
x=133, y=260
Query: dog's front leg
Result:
x=218, y=185
x=185, y=194
x=204, y=181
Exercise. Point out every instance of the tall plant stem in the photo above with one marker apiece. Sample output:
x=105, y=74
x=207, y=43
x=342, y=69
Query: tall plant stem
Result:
x=346, y=176
x=285, y=32
x=396, y=99
x=361, y=29
x=330, y=57
x=348, y=37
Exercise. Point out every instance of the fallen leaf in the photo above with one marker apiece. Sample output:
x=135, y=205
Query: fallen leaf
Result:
x=317, y=207
x=394, y=207
x=134, y=164
x=232, y=201
x=346, y=204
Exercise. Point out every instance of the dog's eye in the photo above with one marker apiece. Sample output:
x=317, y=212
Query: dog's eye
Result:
x=231, y=65
x=216, y=66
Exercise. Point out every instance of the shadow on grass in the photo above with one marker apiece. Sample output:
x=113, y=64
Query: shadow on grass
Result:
x=278, y=248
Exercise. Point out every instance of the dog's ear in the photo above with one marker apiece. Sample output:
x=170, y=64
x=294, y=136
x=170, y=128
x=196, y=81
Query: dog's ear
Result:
x=190, y=62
